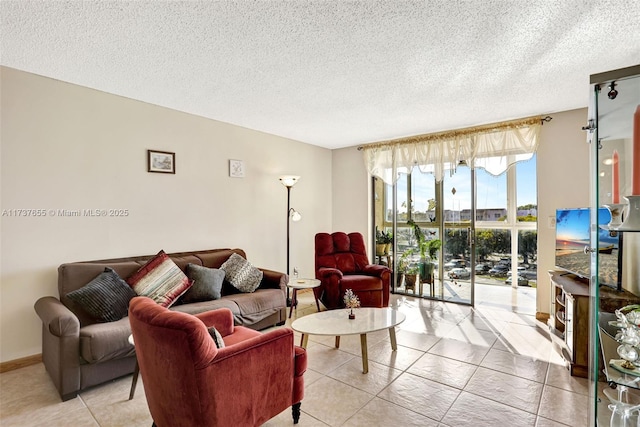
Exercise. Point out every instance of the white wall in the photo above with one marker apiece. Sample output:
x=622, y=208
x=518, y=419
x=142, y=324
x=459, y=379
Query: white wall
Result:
x=68, y=147
x=563, y=182
x=351, y=192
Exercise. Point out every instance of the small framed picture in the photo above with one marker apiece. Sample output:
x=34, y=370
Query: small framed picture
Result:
x=236, y=168
x=161, y=161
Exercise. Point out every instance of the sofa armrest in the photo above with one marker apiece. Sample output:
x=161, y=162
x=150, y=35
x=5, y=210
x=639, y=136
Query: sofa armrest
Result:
x=221, y=318
x=60, y=345
x=326, y=272
x=274, y=338
x=56, y=318
x=273, y=279
x=375, y=270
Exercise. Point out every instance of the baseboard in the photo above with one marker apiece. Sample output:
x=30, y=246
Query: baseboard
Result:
x=20, y=363
x=543, y=317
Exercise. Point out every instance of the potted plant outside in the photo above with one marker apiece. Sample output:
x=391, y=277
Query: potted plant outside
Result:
x=428, y=253
x=383, y=242
x=433, y=246
x=411, y=277
x=408, y=271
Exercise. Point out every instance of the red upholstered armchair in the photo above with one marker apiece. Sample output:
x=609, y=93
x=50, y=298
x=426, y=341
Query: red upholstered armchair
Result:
x=341, y=264
x=188, y=381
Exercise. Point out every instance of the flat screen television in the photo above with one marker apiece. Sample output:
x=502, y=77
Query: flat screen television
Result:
x=573, y=234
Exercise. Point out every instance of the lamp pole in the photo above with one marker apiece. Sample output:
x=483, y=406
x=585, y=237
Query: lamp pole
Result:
x=288, y=225
x=289, y=181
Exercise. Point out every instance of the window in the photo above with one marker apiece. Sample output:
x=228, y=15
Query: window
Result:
x=505, y=221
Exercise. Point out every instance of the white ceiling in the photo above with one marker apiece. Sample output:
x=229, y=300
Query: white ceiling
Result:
x=330, y=73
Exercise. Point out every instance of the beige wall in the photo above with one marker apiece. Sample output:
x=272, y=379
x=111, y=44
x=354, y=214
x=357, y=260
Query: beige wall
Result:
x=563, y=182
x=350, y=192
x=69, y=147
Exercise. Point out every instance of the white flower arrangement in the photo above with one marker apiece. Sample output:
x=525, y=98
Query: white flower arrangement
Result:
x=351, y=300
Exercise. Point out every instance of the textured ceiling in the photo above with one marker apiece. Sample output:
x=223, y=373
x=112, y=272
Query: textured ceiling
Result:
x=330, y=73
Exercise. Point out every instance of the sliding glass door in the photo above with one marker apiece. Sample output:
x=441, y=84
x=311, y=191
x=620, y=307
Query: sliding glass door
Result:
x=458, y=274
x=471, y=228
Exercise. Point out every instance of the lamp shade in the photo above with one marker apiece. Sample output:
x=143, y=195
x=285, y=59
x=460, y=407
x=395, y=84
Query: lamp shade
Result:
x=289, y=180
x=295, y=215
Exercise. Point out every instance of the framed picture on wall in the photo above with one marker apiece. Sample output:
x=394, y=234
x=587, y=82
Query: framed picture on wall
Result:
x=236, y=168
x=161, y=161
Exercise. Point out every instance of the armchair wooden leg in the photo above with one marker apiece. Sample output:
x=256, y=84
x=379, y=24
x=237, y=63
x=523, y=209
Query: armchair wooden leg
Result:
x=134, y=381
x=295, y=409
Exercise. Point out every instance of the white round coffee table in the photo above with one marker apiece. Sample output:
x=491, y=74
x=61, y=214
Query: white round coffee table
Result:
x=298, y=284
x=337, y=323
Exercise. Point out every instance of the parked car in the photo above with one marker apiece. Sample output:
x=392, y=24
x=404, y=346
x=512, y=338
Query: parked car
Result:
x=499, y=270
x=482, y=268
x=459, y=273
x=455, y=263
x=520, y=271
x=521, y=280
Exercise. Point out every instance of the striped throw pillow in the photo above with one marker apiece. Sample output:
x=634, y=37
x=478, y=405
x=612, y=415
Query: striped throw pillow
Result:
x=106, y=297
x=160, y=279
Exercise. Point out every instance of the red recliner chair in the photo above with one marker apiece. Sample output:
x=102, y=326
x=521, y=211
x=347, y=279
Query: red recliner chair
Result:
x=341, y=264
x=189, y=381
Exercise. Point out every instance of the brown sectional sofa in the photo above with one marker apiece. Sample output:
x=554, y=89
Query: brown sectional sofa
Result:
x=79, y=353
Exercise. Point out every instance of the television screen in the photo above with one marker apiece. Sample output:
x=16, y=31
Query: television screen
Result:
x=572, y=235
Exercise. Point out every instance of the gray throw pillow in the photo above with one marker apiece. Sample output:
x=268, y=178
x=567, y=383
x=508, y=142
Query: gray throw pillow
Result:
x=207, y=283
x=241, y=273
x=217, y=337
x=106, y=297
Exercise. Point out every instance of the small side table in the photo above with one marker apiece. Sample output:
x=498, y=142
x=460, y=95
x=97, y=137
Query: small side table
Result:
x=297, y=284
x=387, y=256
x=136, y=372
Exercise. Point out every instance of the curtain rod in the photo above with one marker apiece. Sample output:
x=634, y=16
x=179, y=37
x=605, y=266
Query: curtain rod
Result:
x=457, y=132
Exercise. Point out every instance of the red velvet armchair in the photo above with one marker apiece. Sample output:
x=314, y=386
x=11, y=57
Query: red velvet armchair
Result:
x=188, y=381
x=341, y=264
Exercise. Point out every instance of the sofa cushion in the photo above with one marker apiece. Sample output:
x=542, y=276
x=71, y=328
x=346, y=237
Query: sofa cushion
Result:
x=202, y=306
x=105, y=298
x=160, y=279
x=106, y=341
x=256, y=306
x=241, y=273
x=207, y=283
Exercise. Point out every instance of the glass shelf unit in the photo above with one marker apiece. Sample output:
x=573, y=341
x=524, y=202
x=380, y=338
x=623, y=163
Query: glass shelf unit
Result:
x=614, y=105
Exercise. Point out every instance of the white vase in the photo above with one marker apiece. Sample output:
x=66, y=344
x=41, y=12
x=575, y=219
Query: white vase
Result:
x=616, y=210
x=632, y=216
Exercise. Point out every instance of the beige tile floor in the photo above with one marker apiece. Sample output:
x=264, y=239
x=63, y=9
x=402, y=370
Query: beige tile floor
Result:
x=492, y=365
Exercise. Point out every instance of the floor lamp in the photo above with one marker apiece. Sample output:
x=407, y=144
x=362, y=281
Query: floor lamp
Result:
x=292, y=215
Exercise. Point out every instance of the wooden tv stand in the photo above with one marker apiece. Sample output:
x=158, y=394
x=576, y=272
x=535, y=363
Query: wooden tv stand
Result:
x=570, y=316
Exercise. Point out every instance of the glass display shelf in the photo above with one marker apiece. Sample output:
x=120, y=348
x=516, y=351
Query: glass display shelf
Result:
x=614, y=373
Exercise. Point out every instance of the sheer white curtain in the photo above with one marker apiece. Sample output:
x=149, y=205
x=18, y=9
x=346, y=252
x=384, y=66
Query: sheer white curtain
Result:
x=493, y=147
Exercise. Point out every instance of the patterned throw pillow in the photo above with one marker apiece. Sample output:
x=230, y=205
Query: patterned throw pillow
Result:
x=207, y=283
x=217, y=337
x=241, y=273
x=106, y=297
x=160, y=279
